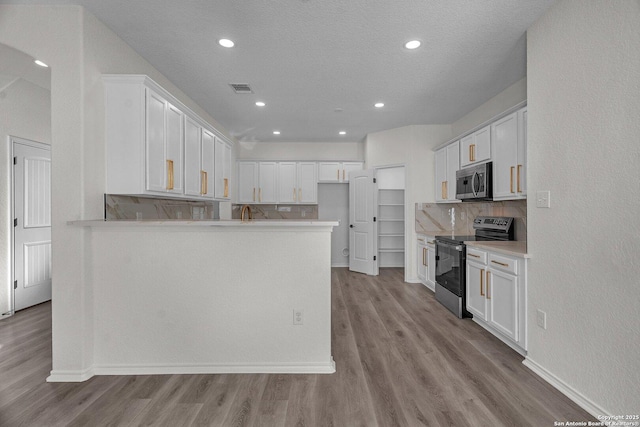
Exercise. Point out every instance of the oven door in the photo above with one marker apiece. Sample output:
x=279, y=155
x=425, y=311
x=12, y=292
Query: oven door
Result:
x=450, y=266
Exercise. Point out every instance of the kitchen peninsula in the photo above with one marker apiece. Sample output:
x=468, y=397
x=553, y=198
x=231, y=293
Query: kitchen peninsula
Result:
x=209, y=297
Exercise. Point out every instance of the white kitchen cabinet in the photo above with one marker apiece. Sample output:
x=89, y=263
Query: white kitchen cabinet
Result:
x=247, y=182
x=287, y=182
x=426, y=260
x=307, y=183
x=509, y=156
x=268, y=182
x=496, y=295
x=222, y=169
x=476, y=147
x=154, y=142
x=421, y=253
x=336, y=171
x=198, y=160
x=297, y=182
x=447, y=163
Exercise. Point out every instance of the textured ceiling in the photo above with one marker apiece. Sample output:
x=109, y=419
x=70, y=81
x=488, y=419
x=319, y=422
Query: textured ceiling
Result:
x=308, y=58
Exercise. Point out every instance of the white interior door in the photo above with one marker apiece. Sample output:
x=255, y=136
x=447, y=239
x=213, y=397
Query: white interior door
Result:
x=363, y=234
x=32, y=237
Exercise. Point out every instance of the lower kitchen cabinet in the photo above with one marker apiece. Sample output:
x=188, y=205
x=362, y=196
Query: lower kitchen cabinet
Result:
x=426, y=260
x=496, y=295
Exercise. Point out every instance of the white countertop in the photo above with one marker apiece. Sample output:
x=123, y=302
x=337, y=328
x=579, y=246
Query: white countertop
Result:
x=266, y=224
x=513, y=248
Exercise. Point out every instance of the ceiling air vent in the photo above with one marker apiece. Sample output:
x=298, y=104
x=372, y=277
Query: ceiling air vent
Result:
x=241, y=88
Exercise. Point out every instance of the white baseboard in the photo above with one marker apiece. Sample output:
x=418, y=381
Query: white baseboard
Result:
x=70, y=376
x=302, y=368
x=340, y=265
x=573, y=394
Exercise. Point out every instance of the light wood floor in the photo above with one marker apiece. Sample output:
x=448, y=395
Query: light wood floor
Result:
x=402, y=360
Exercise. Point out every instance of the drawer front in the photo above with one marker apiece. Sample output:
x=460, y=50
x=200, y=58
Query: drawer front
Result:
x=476, y=255
x=507, y=264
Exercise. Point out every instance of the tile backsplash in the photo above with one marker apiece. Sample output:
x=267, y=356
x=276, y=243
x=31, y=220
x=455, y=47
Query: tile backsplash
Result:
x=278, y=211
x=457, y=218
x=117, y=207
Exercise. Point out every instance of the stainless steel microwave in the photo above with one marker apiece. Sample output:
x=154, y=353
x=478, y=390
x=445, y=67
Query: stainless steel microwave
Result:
x=475, y=183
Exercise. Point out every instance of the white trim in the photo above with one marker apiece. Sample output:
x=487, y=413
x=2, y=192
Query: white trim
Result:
x=339, y=265
x=498, y=334
x=573, y=394
x=70, y=376
x=29, y=143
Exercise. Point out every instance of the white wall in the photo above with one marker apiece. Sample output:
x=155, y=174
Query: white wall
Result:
x=79, y=49
x=583, y=146
x=301, y=151
x=506, y=99
x=410, y=146
x=25, y=112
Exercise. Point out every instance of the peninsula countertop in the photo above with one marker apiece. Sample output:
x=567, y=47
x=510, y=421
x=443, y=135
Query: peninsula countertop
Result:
x=236, y=224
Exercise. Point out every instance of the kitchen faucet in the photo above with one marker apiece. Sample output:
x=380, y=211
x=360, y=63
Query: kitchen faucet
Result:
x=245, y=208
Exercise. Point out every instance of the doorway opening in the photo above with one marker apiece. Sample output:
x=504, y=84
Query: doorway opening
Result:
x=391, y=216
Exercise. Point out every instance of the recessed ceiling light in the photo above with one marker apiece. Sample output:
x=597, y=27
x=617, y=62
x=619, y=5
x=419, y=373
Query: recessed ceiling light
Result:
x=379, y=104
x=412, y=44
x=40, y=63
x=342, y=132
x=260, y=104
x=226, y=43
x=276, y=132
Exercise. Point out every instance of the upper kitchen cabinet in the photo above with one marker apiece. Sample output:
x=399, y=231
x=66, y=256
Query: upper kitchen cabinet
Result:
x=148, y=133
x=476, y=147
x=447, y=161
x=336, y=171
x=257, y=182
x=222, y=169
x=509, y=136
x=297, y=182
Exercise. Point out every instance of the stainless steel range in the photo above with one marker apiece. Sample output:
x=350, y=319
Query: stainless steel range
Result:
x=451, y=260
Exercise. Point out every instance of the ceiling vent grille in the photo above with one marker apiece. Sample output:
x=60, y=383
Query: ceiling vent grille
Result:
x=241, y=88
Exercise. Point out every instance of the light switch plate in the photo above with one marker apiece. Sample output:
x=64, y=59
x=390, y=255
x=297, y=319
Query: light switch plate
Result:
x=543, y=199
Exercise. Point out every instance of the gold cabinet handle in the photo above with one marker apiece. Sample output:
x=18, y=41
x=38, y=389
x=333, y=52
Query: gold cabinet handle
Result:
x=260, y=194
x=442, y=191
x=481, y=284
x=518, y=178
x=424, y=257
x=446, y=190
x=254, y=194
x=338, y=174
x=343, y=174
x=511, y=179
x=472, y=152
x=169, y=174
x=421, y=240
x=473, y=255
x=226, y=188
x=488, y=296
x=294, y=194
x=203, y=182
x=431, y=242
x=299, y=194
x=500, y=263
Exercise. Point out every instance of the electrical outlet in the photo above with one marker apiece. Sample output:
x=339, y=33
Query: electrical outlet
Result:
x=542, y=319
x=298, y=316
x=543, y=199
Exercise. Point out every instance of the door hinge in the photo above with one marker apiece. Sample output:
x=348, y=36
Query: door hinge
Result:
x=375, y=257
x=15, y=160
x=374, y=180
x=15, y=284
x=374, y=219
x=15, y=222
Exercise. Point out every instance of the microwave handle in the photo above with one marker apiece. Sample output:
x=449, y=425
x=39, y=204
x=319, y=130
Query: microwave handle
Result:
x=473, y=183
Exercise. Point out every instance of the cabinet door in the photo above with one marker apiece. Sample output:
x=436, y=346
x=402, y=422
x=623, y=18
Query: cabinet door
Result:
x=466, y=150
x=348, y=167
x=431, y=267
x=247, y=182
x=521, y=167
x=482, y=144
x=287, y=182
x=422, y=262
x=505, y=156
x=329, y=171
x=192, y=157
x=307, y=183
x=441, y=174
x=222, y=169
x=476, y=290
x=156, y=166
x=268, y=179
x=453, y=164
x=502, y=297
x=208, y=160
x=175, y=148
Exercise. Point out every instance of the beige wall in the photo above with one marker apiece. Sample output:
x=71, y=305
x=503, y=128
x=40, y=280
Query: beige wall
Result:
x=411, y=146
x=583, y=146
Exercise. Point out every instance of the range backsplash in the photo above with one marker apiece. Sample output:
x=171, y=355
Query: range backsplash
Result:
x=117, y=207
x=435, y=219
x=278, y=211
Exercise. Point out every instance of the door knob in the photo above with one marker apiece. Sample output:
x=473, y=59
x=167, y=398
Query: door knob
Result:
x=350, y=225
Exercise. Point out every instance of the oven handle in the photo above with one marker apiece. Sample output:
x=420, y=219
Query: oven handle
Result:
x=451, y=245
x=473, y=184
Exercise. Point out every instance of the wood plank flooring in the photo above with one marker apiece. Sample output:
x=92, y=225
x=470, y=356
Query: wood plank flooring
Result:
x=402, y=360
